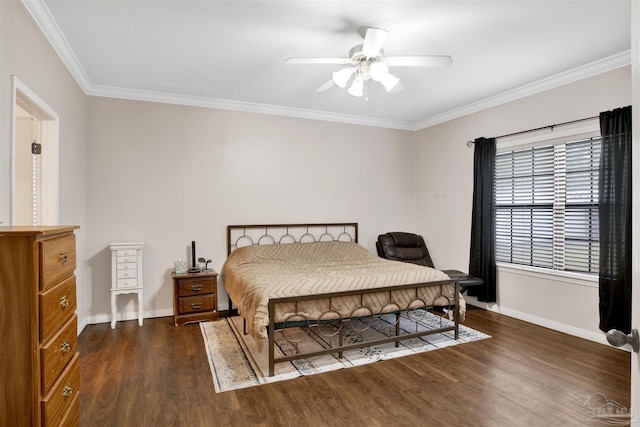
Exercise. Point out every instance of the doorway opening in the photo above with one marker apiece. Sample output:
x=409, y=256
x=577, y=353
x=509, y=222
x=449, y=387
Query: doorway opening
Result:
x=34, y=159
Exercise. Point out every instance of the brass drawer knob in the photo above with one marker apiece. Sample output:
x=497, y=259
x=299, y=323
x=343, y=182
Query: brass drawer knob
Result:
x=64, y=302
x=63, y=257
x=196, y=305
x=67, y=391
x=65, y=347
x=196, y=288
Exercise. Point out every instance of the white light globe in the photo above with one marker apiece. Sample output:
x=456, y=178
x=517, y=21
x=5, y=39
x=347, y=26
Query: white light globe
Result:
x=389, y=82
x=341, y=77
x=356, y=88
x=378, y=71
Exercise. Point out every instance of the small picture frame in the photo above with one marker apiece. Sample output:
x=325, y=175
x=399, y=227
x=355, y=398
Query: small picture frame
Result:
x=181, y=266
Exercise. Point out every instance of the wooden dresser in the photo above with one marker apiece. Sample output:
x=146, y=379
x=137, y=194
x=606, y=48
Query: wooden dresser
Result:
x=39, y=362
x=195, y=297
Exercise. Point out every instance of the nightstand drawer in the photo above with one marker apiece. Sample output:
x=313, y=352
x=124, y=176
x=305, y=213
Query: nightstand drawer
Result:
x=196, y=304
x=190, y=287
x=58, y=401
x=58, y=259
x=56, y=306
x=57, y=352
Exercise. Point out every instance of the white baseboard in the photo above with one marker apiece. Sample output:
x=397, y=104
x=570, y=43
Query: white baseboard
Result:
x=598, y=337
x=106, y=318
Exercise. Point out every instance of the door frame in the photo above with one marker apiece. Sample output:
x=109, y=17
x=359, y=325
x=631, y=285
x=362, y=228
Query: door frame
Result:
x=29, y=101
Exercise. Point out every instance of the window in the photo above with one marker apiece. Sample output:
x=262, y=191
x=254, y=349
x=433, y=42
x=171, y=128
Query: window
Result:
x=547, y=206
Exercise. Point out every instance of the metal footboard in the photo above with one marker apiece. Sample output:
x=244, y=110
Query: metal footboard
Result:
x=331, y=315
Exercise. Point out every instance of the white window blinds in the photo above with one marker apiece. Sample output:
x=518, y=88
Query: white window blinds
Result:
x=547, y=206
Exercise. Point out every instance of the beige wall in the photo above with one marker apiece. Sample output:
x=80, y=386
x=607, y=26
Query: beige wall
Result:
x=445, y=187
x=25, y=53
x=167, y=174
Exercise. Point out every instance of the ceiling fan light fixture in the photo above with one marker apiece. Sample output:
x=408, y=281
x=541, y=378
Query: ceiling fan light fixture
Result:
x=379, y=71
x=341, y=77
x=356, y=88
x=389, y=82
x=367, y=61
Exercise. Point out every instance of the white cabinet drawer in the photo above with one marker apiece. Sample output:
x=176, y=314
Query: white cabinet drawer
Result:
x=126, y=274
x=126, y=259
x=127, y=266
x=126, y=283
x=126, y=252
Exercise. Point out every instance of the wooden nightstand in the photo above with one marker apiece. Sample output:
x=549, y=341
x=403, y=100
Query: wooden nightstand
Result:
x=195, y=297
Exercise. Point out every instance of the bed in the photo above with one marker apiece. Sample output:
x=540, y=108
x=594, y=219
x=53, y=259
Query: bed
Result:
x=318, y=276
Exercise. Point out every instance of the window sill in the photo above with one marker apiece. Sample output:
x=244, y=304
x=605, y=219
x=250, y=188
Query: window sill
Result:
x=589, y=280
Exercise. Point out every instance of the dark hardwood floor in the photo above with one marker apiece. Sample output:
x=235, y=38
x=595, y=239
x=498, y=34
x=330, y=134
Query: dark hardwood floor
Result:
x=525, y=375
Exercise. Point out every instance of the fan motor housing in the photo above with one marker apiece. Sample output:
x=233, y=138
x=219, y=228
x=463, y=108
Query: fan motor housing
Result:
x=356, y=55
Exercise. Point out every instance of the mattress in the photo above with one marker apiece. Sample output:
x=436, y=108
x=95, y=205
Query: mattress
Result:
x=255, y=274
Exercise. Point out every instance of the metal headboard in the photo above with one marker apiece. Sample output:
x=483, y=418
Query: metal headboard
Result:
x=270, y=234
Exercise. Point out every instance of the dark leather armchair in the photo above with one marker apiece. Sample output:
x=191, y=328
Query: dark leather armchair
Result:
x=409, y=247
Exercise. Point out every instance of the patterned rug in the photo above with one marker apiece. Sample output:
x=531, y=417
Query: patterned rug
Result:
x=236, y=362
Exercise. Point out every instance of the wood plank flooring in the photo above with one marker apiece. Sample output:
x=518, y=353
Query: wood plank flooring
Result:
x=525, y=375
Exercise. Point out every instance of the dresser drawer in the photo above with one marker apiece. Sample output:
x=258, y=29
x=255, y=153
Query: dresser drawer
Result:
x=57, y=352
x=189, y=287
x=126, y=259
x=57, y=403
x=196, y=304
x=57, y=259
x=56, y=306
x=72, y=417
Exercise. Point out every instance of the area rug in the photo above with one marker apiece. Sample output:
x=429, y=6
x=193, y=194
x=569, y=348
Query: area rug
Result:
x=236, y=362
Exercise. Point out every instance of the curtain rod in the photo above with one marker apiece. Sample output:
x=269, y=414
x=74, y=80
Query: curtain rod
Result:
x=470, y=143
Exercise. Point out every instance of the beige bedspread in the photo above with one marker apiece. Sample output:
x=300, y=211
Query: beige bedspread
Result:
x=254, y=274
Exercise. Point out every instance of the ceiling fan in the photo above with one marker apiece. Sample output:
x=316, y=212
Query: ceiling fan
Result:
x=366, y=62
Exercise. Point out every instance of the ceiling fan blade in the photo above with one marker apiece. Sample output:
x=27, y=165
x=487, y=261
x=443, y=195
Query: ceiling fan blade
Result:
x=397, y=88
x=341, y=61
x=328, y=85
x=373, y=40
x=419, y=61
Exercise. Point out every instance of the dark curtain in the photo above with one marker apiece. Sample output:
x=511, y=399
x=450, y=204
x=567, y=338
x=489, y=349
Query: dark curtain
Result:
x=614, y=212
x=482, y=251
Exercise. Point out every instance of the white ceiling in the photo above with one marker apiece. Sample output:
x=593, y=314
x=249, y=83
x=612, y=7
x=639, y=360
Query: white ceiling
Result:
x=231, y=54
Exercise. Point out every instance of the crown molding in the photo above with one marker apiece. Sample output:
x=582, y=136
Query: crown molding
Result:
x=49, y=27
x=51, y=30
x=598, y=67
x=249, y=107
